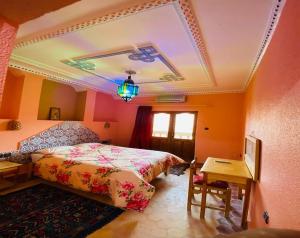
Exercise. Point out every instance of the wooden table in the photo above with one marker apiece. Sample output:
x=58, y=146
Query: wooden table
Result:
x=6, y=167
x=232, y=171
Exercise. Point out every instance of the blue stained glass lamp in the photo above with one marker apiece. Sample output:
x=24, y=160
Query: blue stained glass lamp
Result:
x=127, y=90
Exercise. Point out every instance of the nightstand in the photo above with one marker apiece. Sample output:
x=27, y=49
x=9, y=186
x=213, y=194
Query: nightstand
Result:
x=8, y=169
x=11, y=169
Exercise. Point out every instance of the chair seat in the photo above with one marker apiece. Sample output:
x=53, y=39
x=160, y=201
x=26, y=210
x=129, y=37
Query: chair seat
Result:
x=198, y=179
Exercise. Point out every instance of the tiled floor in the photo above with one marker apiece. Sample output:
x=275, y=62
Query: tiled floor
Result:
x=166, y=215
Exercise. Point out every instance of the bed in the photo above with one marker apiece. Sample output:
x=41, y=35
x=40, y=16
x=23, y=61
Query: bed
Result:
x=122, y=173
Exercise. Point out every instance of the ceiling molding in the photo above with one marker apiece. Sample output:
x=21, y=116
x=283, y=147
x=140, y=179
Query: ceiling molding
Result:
x=53, y=76
x=80, y=25
x=195, y=31
x=187, y=16
x=183, y=8
x=270, y=29
x=147, y=54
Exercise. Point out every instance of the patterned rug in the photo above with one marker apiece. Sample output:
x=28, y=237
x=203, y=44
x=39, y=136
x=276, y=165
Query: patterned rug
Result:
x=46, y=211
x=179, y=169
x=233, y=223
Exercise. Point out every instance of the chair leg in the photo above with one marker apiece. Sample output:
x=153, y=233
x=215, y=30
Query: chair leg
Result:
x=190, y=191
x=189, y=201
x=227, y=203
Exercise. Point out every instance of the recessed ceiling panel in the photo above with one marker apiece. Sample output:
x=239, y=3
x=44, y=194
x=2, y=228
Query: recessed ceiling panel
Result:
x=185, y=47
x=176, y=54
x=234, y=32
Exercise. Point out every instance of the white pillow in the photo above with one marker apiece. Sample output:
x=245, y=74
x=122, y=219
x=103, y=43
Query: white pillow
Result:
x=36, y=157
x=53, y=150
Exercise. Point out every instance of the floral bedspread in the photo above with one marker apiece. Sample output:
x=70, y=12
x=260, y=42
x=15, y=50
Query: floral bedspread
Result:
x=122, y=173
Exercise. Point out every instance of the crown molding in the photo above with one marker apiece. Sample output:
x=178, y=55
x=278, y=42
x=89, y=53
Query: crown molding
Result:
x=80, y=25
x=50, y=75
x=185, y=11
x=183, y=8
x=274, y=17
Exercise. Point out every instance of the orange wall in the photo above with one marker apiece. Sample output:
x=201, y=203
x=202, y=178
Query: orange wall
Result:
x=273, y=115
x=28, y=112
x=7, y=39
x=62, y=96
x=221, y=113
x=12, y=93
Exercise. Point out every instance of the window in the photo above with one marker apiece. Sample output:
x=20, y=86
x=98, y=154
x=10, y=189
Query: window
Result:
x=184, y=126
x=161, y=124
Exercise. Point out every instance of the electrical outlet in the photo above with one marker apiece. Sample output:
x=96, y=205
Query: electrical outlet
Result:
x=266, y=217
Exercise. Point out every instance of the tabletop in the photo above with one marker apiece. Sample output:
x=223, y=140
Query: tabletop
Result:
x=4, y=165
x=236, y=168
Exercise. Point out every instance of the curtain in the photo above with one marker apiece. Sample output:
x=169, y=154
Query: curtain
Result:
x=142, y=132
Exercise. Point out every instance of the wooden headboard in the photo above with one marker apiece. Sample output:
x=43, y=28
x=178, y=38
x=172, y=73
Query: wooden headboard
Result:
x=252, y=155
x=66, y=133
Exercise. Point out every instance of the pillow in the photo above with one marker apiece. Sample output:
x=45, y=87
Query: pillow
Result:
x=54, y=150
x=35, y=157
x=89, y=146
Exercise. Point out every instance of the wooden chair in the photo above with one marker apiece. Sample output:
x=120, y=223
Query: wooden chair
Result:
x=219, y=189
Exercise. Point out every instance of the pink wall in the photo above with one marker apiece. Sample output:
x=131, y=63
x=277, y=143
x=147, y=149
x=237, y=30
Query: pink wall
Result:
x=28, y=112
x=273, y=115
x=104, y=109
x=221, y=113
x=7, y=38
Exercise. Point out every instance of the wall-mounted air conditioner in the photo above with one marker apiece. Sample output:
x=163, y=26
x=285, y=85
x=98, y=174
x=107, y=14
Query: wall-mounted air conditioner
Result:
x=171, y=98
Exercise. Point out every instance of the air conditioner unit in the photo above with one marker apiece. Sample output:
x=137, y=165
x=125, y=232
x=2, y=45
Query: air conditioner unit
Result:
x=171, y=98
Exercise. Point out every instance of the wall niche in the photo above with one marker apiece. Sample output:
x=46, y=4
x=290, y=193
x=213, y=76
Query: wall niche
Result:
x=65, y=103
x=12, y=93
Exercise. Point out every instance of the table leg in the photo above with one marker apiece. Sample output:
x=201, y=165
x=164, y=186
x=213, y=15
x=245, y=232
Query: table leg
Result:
x=246, y=204
x=203, y=199
x=17, y=175
x=29, y=171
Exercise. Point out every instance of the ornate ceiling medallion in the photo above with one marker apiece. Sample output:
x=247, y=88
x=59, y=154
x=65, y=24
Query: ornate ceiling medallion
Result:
x=146, y=54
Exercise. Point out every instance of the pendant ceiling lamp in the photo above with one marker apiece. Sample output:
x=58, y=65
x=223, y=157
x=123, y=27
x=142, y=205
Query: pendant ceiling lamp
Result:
x=127, y=90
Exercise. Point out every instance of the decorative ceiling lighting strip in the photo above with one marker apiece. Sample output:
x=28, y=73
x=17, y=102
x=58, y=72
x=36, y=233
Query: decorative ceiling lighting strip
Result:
x=273, y=21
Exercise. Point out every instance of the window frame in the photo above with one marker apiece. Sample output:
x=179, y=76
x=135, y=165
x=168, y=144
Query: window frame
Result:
x=170, y=122
x=171, y=132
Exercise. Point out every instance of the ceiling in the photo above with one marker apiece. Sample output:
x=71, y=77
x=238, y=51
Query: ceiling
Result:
x=175, y=47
